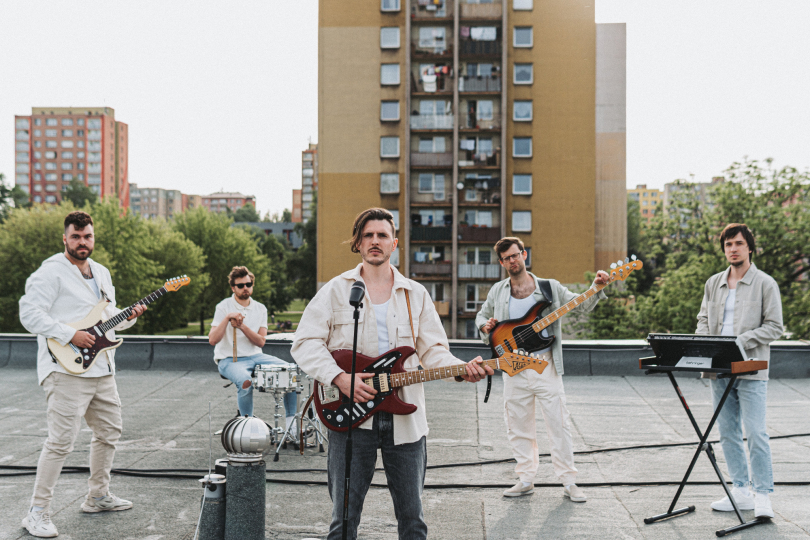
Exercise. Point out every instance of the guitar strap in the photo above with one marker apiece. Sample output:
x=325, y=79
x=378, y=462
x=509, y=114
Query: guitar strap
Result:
x=410, y=317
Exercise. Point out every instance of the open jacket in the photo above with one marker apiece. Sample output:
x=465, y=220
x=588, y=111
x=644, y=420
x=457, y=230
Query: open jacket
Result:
x=56, y=294
x=327, y=325
x=757, y=313
x=497, y=305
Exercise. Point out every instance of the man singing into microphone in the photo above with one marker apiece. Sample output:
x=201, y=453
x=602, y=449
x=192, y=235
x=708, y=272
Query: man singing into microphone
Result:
x=385, y=323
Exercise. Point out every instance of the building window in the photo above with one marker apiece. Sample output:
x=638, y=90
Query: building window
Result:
x=522, y=184
x=389, y=74
x=395, y=213
x=67, y=155
x=22, y=146
x=389, y=5
x=522, y=111
x=67, y=166
x=51, y=132
x=22, y=179
x=483, y=110
x=519, y=5
x=431, y=218
x=389, y=37
x=67, y=133
x=522, y=36
x=67, y=177
x=67, y=121
x=432, y=145
x=389, y=147
x=50, y=144
x=80, y=122
x=522, y=147
x=395, y=254
x=50, y=166
x=37, y=144
x=80, y=144
x=521, y=221
x=523, y=74
x=94, y=123
x=432, y=183
x=22, y=157
x=50, y=177
x=479, y=218
x=22, y=168
x=389, y=110
x=67, y=144
x=22, y=123
x=389, y=183
x=528, y=257
x=37, y=121
x=476, y=294
x=51, y=122
x=80, y=155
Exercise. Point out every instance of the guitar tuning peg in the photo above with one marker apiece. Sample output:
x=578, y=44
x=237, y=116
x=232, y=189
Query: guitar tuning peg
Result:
x=626, y=260
x=619, y=262
x=633, y=257
x=612, y=266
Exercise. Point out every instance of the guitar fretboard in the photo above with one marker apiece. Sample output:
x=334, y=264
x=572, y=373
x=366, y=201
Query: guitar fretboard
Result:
x=562, y=310
x=424, y=375
x=112, y=322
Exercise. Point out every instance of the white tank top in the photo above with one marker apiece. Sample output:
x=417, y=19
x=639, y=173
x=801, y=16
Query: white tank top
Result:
x=728, y=314
x=381, y=313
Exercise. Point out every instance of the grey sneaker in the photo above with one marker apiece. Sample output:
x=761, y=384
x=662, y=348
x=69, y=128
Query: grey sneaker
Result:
x=744, y=502
x=518, y=490
x=575, y=493
x=39, y=524
x=110, y=503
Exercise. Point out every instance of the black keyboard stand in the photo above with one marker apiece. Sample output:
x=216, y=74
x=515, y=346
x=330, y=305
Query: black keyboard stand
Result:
x=703, y=445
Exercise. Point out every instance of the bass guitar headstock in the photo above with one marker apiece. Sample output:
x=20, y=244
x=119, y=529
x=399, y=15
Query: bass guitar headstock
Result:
x=512, y=363
x=621, y=269
x=176, y=282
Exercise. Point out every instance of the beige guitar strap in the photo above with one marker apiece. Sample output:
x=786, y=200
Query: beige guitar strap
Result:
x=410, y=318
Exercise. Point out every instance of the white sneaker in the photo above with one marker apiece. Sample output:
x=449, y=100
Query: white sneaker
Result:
x=744, y=500
x=575, y=493
x=110, y=503
x=762, y=505
x=39, y=524
x=519, y=489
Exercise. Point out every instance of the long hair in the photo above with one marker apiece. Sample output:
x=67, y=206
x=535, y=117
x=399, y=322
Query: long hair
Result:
x=377, y=214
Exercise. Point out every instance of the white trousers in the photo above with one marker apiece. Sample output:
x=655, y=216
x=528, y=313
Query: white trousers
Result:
x=519, y=394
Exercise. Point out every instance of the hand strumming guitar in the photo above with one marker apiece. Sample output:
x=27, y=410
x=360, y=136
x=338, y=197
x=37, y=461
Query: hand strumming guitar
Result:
x=362, y=391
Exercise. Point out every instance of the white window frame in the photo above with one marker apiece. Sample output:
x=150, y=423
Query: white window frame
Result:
x=514, y=37
x=514, y=73
x=477, y=302
x=436, y=185
x=514, y=147
x=389, y=30
x=397, y=7
x=395, y=213
x=478, y=114
x=521, y=214
x=382, y=118
x=514, y=186
x=390, y=177
x=514, y=110
x=522, y=5
x=382, y=155
x=382, y=69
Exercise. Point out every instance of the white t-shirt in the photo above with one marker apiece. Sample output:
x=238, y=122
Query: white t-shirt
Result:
x=255, y=317
x=381, y=313
x=519, y=307
x=728, y=314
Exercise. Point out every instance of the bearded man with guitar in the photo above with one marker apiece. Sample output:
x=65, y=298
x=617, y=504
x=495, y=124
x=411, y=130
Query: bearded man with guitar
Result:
x=63, y=289
x=397, y=312
x=508, y=301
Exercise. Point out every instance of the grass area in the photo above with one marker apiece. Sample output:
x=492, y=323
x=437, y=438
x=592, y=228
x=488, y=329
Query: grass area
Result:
x=293, y=315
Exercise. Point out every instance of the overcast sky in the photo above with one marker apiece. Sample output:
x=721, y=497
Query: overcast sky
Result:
x=224, y=94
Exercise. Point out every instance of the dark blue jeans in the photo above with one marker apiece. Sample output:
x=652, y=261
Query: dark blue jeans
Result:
x=404, y=469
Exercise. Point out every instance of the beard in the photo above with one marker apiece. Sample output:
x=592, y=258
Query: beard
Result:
x=516, y=272
x=738, y=263
x=244, y=294
x=377, y=262
x=78, y=256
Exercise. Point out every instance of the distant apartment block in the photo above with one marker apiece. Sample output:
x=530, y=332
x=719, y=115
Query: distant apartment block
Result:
x=285, y=230
x=702, y=189
x=303, y=198
x=648, y=200
x=221, y=201
x=57, y=144
x=191, y=201
x=155, y=202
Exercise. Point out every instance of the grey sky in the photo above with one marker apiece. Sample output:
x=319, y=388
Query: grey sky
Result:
x=224, y=95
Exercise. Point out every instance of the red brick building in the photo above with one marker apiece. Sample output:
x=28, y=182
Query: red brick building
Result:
x=217, y=202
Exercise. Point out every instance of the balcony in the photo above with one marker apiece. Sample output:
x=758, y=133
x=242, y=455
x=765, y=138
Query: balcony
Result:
x=469, y=159
x=486, y=235
x=479, y=48
x=444, y=121
x=469, y=121
x=442, y=307
x=479, y=271
x=442, y=85
x=481, y=11
x=431, y=269
x=479, y=84
x=437, y=52
x=444, y=159
x=431, y=234
x=426, y=9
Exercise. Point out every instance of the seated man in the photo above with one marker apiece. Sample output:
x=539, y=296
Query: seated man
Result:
x=249, y=317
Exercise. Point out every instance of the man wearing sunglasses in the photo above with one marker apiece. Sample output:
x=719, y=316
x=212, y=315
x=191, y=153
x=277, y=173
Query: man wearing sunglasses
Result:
x=512, y=298
x=249, y=317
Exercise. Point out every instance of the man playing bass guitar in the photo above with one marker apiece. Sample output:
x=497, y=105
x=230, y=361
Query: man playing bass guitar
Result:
x=328, y=325
x=511, y=299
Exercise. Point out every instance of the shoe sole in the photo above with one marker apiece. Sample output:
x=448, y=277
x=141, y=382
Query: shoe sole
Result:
x=576, y=499
x=96, y=509
x=32, y=533
x=731, y=508
x=522, y=493
x=764, y=515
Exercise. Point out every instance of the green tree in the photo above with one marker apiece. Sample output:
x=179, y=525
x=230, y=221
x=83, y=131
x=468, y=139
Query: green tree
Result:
x=246, y=214
x=11, y=197
x=79, y=194
x=302, y=265
x=286, y=216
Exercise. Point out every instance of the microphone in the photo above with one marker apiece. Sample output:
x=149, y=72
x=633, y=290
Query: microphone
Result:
x=357, y=293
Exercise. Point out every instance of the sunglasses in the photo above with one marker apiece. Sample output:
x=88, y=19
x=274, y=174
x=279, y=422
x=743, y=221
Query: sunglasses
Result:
x=249, y=284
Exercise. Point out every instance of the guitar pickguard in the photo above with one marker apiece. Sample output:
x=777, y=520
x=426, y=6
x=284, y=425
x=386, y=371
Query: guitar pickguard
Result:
x=529, y=340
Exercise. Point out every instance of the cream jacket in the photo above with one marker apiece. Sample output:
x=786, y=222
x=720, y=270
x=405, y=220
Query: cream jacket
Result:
x=55, y=294
x=757, y=313
x=327, y=325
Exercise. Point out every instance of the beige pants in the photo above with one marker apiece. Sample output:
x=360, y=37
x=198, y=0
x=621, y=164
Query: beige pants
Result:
x=519, y=395
x=69, y=399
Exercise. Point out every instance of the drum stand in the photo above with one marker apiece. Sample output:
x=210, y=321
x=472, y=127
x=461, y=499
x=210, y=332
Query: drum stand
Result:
x=311, y=423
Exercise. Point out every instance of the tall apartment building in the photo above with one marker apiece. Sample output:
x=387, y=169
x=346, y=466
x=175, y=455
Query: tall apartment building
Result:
x=155, y=202
x=56, y=144
x=469, y=120
x=297, y=216
x=649, y=199
x=218, y=202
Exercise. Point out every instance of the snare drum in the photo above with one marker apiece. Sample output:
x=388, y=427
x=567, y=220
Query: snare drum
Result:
x=269, y=377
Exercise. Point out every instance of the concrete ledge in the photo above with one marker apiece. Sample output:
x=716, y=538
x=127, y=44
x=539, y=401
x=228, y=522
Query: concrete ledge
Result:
x=789, y=359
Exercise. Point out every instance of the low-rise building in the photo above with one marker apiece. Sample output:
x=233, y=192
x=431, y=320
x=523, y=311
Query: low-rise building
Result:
x=648, y=200
x=223, y=200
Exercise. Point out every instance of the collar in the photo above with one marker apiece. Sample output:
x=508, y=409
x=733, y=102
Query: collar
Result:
x=400, y=281
x=535, y=278
x=240, y=306
x=747, y=278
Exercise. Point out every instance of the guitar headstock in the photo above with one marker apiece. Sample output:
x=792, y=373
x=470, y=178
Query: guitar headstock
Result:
x=512, y=363
x=621, y=269
x=176, y=282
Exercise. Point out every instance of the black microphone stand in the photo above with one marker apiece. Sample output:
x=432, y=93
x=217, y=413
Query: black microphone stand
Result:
x=349, y=409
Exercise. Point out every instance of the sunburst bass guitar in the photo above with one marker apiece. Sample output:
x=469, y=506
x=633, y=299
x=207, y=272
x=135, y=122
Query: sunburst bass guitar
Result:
x=337, y=412
x=77, y=360
x=524, y=334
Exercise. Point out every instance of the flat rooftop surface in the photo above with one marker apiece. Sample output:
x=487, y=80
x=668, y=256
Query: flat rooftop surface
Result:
x=166, y=427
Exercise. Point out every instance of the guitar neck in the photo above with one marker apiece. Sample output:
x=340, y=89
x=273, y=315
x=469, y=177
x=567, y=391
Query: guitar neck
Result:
x=549, y=319
x=423, y=375
x=112, y=322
